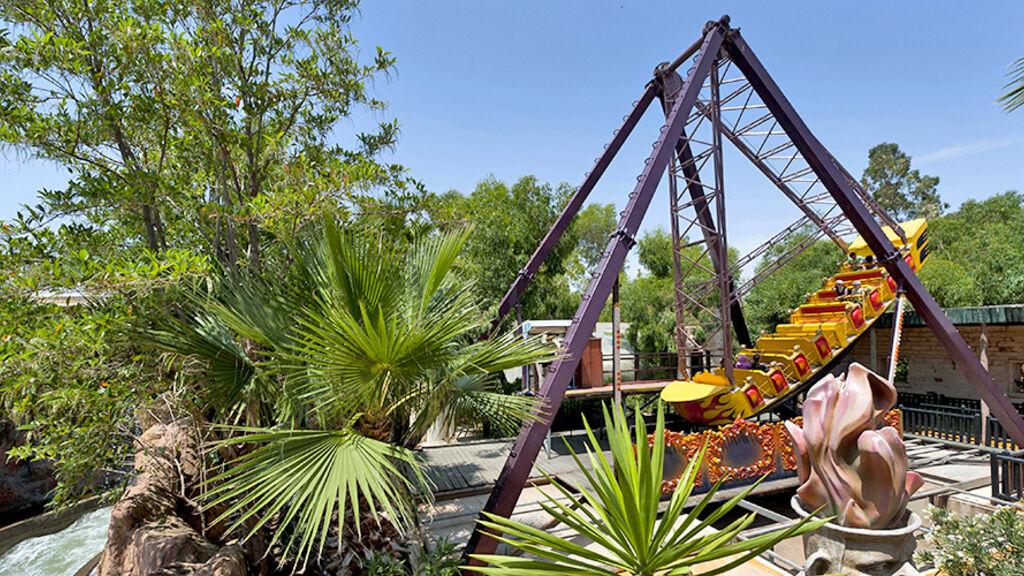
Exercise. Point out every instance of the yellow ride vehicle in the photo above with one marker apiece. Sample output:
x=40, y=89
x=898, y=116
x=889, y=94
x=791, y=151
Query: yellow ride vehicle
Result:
x=799, y=352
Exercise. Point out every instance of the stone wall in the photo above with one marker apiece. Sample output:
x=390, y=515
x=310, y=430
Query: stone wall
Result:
x=929, y=367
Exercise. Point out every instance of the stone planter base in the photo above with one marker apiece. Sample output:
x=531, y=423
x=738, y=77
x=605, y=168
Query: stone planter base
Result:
x=835, y=549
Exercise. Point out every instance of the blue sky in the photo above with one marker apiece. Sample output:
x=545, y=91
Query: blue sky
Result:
x=537, y=87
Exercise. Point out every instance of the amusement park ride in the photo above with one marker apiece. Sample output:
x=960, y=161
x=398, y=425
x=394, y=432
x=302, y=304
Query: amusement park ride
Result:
x=727, y=94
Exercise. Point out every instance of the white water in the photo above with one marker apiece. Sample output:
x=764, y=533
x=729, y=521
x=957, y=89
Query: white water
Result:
x=60, y=554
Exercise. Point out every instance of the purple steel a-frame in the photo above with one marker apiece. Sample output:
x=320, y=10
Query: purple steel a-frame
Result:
x=847, y=208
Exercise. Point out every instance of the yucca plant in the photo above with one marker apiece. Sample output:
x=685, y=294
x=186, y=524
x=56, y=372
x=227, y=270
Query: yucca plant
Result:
x=343, y=361
x=619, y=512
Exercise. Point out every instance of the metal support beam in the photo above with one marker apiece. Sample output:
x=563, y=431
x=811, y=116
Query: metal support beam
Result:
x=839, y=187
x=513, y=476
x=783, y=187
x=671, y=83
x=515, y=291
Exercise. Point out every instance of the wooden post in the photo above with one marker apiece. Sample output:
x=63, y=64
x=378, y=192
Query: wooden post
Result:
x=983, y=357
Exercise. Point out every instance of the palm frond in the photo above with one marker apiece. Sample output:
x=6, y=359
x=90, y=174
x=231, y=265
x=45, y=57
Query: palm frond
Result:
x=1014, y=96
x=306, y=476
x=231, y=374
x=472, y=399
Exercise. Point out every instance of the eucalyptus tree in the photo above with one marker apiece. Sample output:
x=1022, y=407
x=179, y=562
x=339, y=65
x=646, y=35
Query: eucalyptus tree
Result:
x=904, y=192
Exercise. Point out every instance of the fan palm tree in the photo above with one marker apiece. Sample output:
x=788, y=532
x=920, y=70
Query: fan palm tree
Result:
x=336, y=369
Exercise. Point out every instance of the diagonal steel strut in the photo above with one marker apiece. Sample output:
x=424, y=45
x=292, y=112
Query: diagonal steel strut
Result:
x=515, y=291
x=517, y=468
x=836, y=182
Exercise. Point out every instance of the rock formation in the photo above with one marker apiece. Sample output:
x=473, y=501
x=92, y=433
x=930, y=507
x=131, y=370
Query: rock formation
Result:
x=154, y=527
x=24, y=486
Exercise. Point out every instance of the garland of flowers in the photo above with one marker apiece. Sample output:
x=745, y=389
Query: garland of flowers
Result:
x=784, y=442
x=687, y=444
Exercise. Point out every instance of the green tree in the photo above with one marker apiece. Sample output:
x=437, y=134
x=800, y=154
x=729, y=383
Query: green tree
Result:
x=1013, y=98
x=654, y=252
x=186, y=123
x=73, y=376
x=767, y=305
x=199, y=137
x=901, y=191
x=593, y=225
x=508, y=223
x=976, y=253
x=648, y=301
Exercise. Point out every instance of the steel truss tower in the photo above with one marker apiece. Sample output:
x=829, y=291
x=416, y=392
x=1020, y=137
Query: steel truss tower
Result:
x=726, y=95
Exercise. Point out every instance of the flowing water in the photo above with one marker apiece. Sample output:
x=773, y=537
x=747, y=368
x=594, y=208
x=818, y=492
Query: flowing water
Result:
x=60, y=554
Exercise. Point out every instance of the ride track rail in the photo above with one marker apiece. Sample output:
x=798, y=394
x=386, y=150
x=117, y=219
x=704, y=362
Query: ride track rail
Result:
x=699, y=117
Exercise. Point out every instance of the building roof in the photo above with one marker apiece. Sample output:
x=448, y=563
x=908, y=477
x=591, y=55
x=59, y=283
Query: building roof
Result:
x=974, y=315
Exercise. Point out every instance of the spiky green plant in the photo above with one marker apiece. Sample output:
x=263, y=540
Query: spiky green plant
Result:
x=619, y=511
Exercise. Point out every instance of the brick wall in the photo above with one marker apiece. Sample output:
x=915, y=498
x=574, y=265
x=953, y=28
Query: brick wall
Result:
x=929, y=367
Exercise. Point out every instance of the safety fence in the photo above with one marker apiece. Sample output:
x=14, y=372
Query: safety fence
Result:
x=960, y=420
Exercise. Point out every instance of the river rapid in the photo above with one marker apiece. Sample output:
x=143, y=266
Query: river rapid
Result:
x=60, y=554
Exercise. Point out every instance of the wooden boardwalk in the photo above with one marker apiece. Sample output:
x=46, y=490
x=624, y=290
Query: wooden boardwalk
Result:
x=474, y=466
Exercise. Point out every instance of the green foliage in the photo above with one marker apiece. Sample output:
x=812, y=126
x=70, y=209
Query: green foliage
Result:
x=654, y=251
x=306, y=476
x=189, y=124
x=72, y=375
x=648, y=301
x=649, y=308
x=990, y=544
x=902, y=192
x=951, y=282
x=1013, y=98
x=767, y=305
x=508, y=224
x=441, y=559
x=976, y=253
x=617, y=508
x=593, y=225
x=199, y=138
x=339, y=366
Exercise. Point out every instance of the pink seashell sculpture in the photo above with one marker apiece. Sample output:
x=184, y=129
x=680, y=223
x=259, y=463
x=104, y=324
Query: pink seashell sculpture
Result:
x=845, y=462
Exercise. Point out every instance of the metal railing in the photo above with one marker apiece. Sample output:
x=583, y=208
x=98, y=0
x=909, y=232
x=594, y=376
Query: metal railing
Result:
x=641, y=365
x=1008, y=475
x=948, y=424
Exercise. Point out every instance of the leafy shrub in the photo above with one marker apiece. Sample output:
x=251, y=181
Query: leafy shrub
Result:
x=440, y=559
x=990, y=544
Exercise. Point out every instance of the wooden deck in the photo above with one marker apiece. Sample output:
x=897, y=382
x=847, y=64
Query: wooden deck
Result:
x=464, y=468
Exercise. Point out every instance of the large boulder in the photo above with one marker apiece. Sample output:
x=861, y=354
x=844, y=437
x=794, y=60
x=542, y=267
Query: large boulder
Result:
x=150, y=533
x=24, y=486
